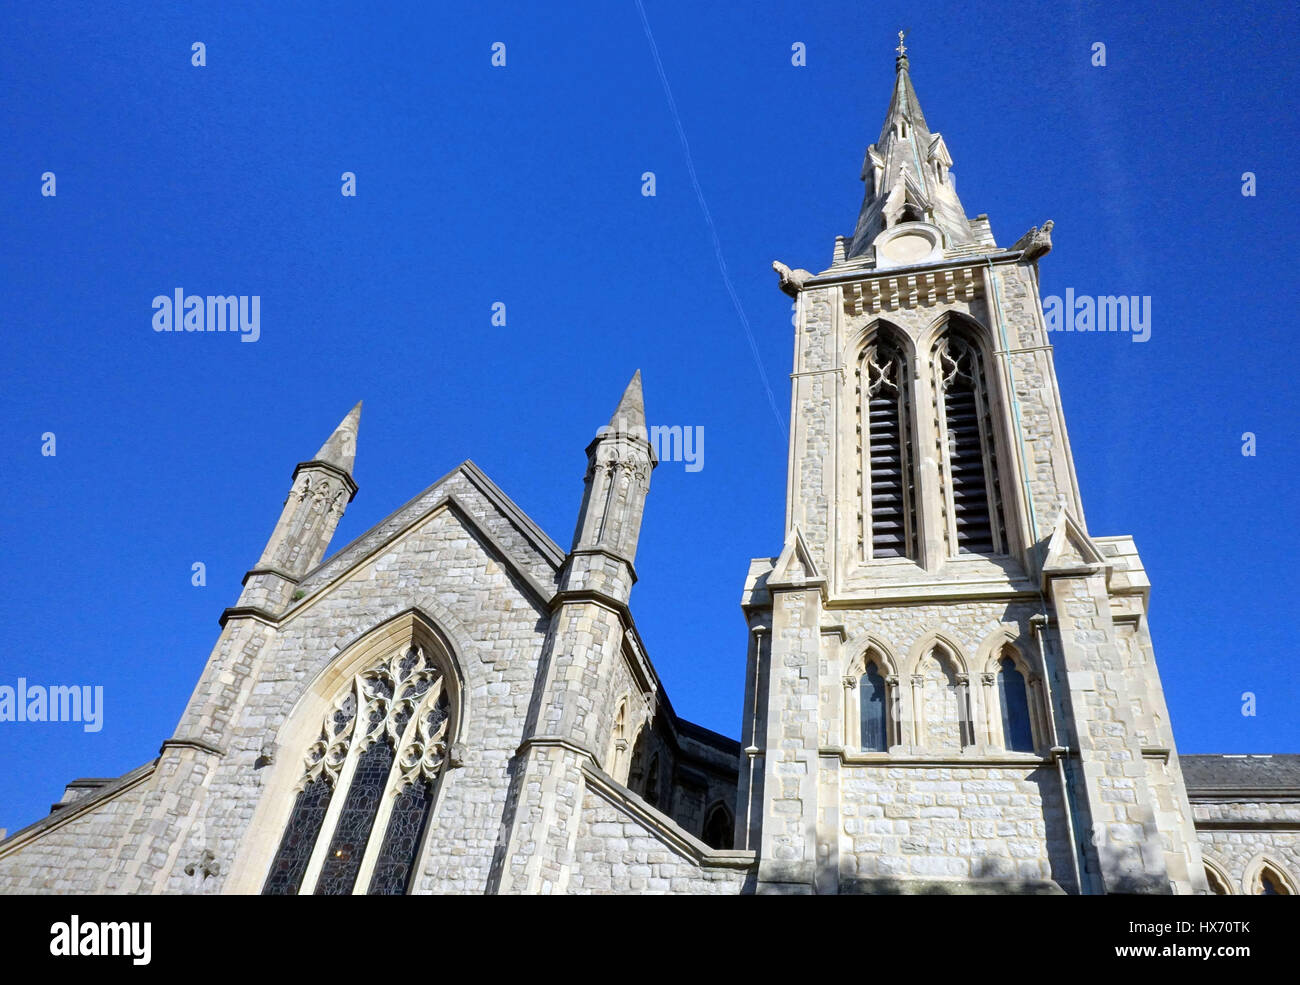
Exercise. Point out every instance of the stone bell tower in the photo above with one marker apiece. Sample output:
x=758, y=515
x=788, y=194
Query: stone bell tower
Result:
x=951, y=684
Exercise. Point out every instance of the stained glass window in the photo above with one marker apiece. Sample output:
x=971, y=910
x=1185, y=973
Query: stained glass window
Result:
x=402, y=841
x=299, y=839
x=343, y=860
x=387, y=738
x=414, y=803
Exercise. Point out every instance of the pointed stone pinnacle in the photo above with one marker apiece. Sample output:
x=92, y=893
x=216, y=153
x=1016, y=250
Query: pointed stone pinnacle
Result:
x=904, y=105
x=341, y=448
x=629, y=418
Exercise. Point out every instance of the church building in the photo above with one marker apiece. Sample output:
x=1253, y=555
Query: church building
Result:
x=950, y=683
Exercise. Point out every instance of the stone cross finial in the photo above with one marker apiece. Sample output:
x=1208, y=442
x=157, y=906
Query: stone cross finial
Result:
x=902, y=48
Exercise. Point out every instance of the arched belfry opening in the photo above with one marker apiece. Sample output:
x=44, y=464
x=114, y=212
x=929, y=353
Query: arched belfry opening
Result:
x=967, y=452
x=887, y=520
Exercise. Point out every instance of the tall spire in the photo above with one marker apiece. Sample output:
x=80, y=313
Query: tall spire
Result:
x=907, y=177
x=629, y=416
x=341, y=448
x=903, y=105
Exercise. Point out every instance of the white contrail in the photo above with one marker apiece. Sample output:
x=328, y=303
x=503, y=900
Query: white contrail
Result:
x=713, y=231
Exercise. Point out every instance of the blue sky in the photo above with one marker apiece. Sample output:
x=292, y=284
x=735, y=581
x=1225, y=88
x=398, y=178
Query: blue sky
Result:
x=522, y=185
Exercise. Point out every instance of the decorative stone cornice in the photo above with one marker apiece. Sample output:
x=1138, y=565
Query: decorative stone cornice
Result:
x=333, y=470
x=912, y=290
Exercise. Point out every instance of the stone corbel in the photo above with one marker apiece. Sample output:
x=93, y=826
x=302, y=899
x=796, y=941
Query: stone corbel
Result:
x=456, y=753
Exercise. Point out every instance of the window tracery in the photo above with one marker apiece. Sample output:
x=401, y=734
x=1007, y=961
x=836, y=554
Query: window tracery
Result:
x=367, y=786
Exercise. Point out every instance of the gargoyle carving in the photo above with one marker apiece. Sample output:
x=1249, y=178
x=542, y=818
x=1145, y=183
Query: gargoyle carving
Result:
x=1037, y=242
x=792, y=281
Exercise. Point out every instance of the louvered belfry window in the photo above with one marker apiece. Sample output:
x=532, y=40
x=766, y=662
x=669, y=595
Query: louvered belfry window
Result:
x=888, y=517
x=976, y=523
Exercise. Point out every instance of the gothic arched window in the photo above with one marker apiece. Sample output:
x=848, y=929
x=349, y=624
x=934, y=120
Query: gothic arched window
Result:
x=719, y=828
x=367, y=787
x=976, y=524
x=1270, y=883
x=1217, y=883
x=872, y=698
x=1013, y=702
x=888, y=515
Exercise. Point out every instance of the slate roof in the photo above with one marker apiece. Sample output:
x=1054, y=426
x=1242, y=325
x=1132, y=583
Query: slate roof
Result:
x=1218, y=775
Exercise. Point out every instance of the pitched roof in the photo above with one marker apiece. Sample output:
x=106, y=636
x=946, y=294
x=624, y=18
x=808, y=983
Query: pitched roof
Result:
x=1218, y=775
